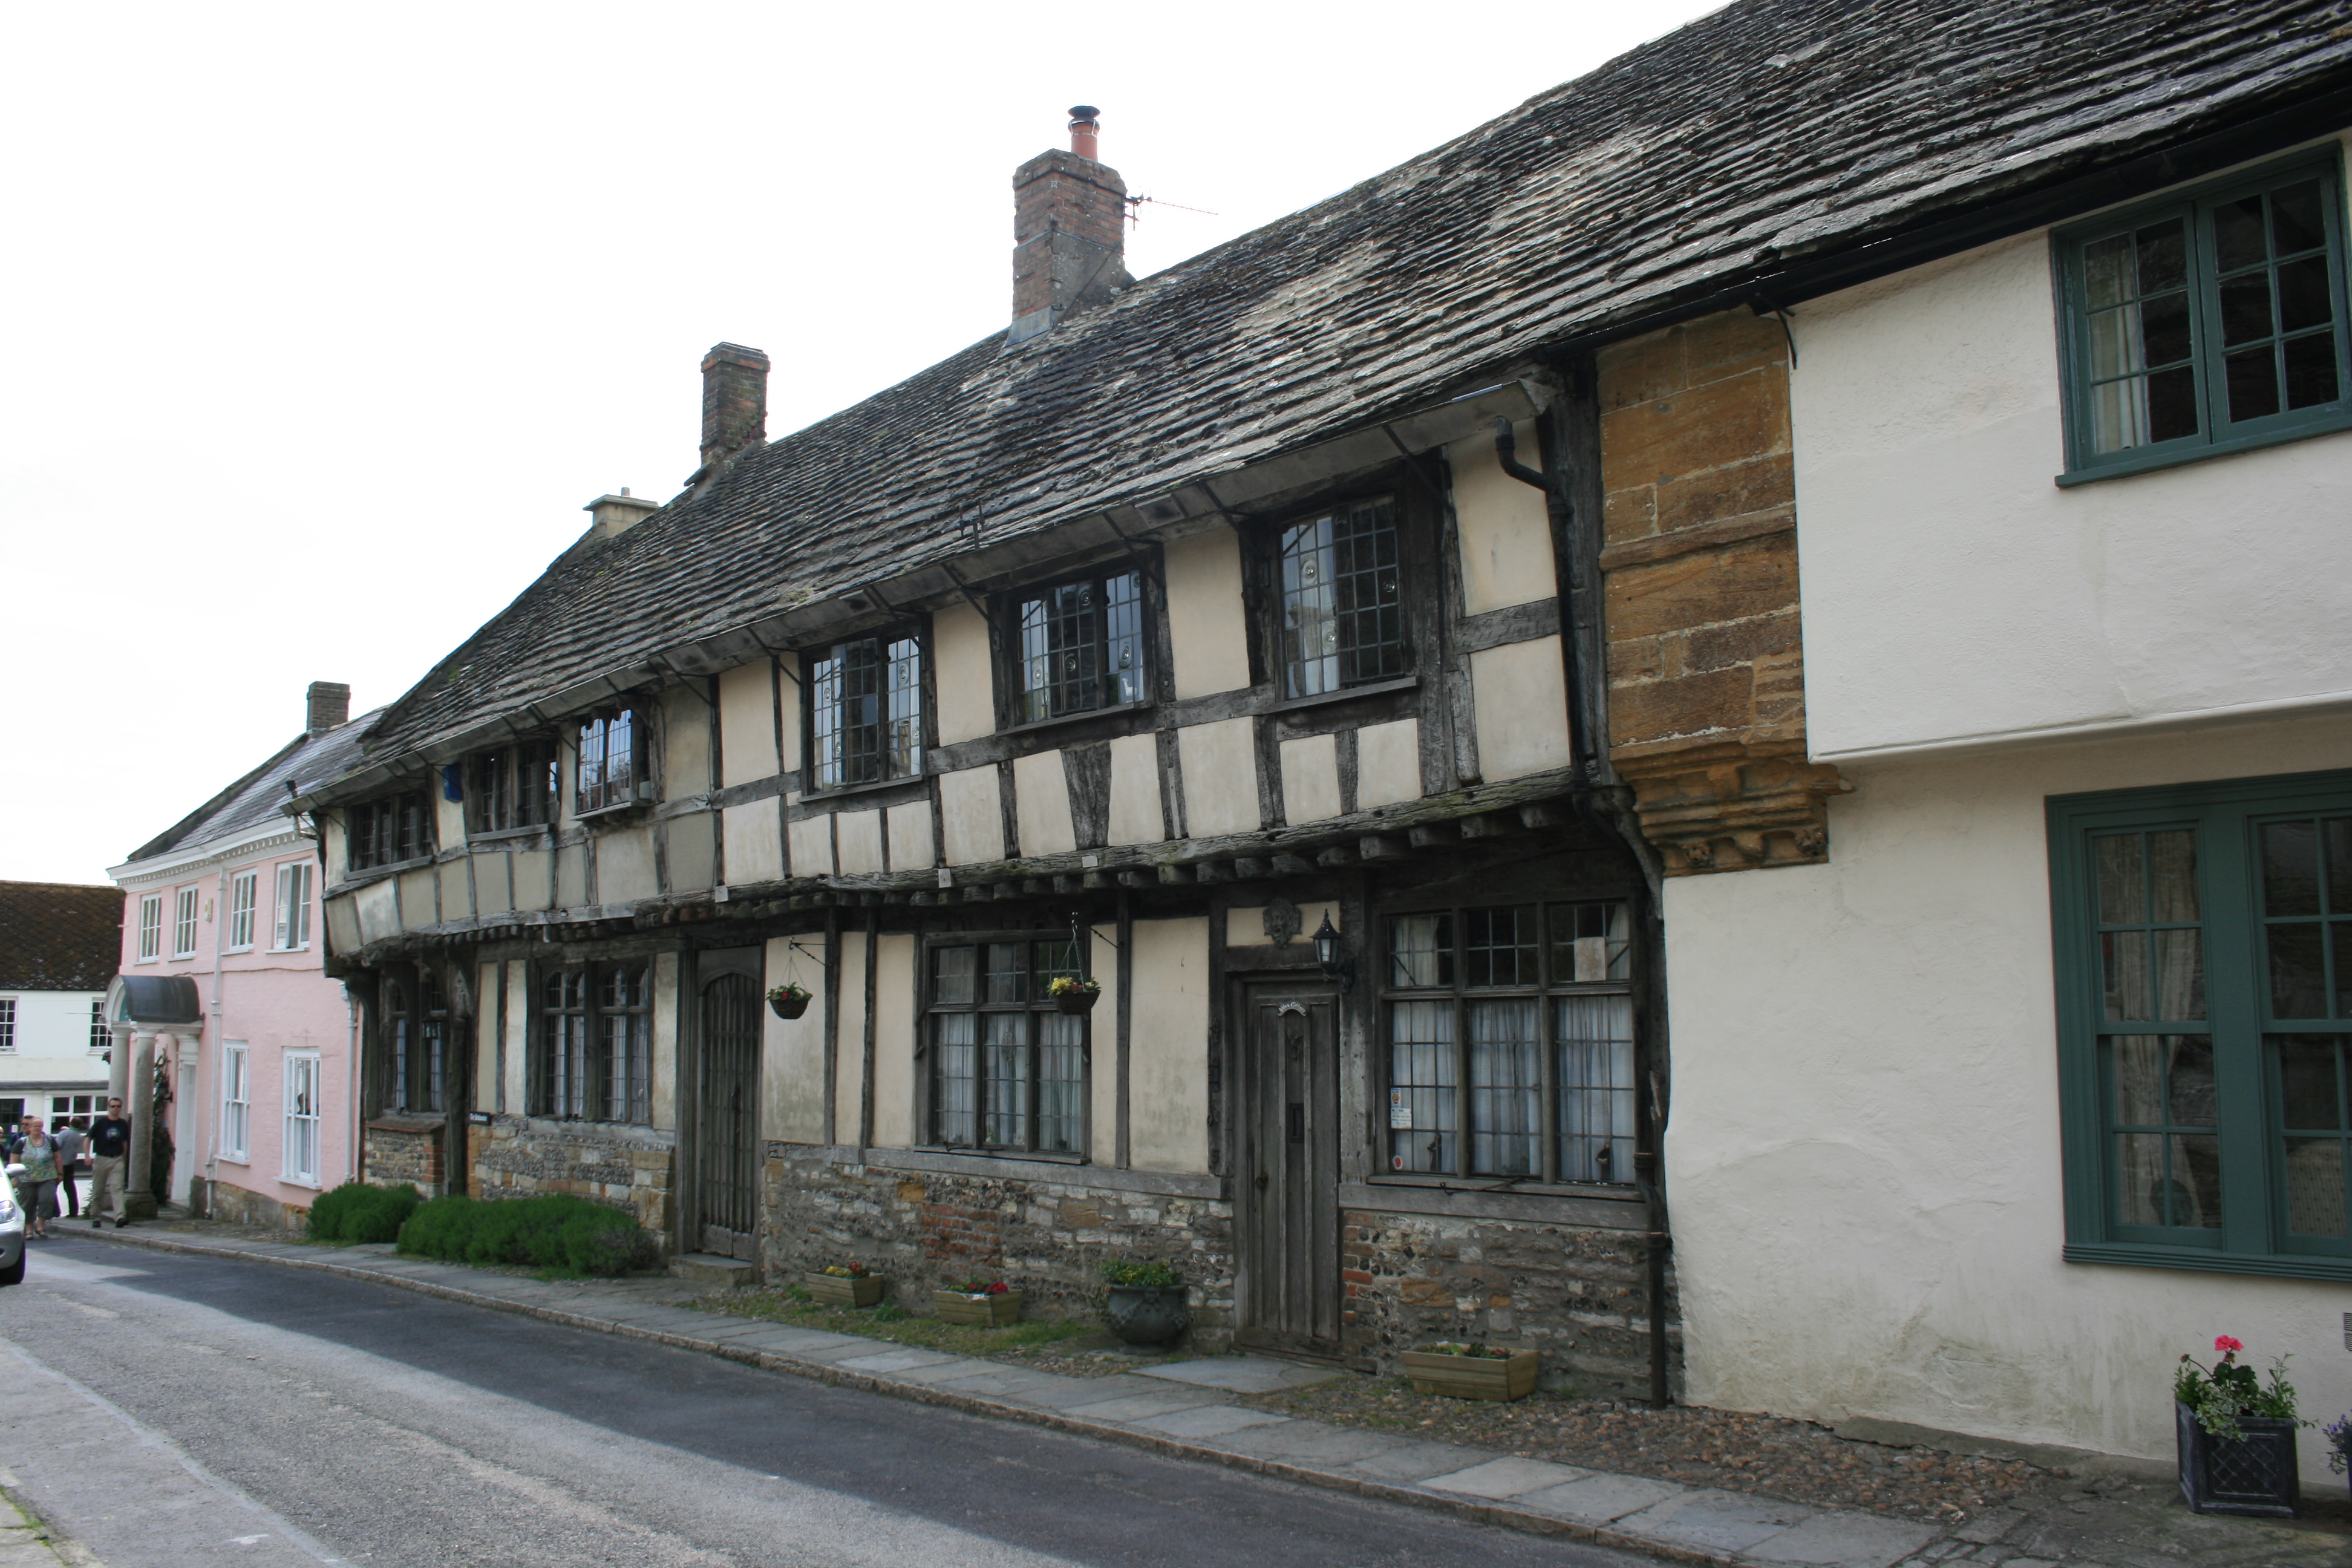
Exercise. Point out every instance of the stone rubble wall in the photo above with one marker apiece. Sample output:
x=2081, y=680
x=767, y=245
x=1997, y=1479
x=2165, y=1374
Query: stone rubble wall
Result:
x=1579, y=1296
x=629, y=1168
x=926, y=1229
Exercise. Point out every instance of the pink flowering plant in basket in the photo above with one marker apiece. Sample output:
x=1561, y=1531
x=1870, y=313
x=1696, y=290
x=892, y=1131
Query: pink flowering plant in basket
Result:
x=2223, y=1392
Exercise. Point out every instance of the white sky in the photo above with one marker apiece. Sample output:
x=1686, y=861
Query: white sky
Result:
x=319, y=323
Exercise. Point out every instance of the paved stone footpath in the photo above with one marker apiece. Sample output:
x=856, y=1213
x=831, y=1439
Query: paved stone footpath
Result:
x=2128, y=1517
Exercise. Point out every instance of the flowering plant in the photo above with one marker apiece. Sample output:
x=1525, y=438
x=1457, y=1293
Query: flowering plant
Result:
x=2223, y=1392
x=1477, y=1351
x=2340, y=1443
x=980, y=1285
x=847, y=1270
x=789, y=991
x=1073, y=985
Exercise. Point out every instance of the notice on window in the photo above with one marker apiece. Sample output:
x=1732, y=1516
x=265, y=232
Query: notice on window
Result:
x=1400, y=1109
x=1592, y=958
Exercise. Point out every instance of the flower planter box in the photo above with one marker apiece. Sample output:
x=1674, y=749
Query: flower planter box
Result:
x=1471, y=1376
x=833, y=1290
x=983, y=1311
x=2255, y=1475
x=788, y=1006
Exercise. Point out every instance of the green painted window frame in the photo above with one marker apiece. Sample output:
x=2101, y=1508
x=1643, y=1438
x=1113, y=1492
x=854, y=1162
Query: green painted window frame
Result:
x=2253, y=1238
x=2215, y=435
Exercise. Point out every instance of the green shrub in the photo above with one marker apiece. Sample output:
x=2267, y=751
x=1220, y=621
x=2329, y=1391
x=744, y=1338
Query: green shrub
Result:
x=356, y=1212
x=559, y=1232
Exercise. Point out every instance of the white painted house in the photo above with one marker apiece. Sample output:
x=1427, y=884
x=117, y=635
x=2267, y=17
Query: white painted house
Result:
x=57, y=942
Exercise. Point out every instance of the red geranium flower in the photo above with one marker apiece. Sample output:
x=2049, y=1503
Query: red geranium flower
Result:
x=2224, y=1342
x=997, y=1289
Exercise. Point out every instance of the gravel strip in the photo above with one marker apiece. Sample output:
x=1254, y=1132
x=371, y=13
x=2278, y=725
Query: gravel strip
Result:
x=1794, y=1460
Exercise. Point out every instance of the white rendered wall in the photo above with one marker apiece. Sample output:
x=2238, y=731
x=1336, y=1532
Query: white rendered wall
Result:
x=1862, y=1153
x=52, y=1040
x=1952, y=592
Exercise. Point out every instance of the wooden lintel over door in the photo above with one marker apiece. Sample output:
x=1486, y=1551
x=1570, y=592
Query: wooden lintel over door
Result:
x=1286, y=1171
x=727, y=1105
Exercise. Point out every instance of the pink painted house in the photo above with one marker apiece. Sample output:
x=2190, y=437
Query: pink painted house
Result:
x=221, y=981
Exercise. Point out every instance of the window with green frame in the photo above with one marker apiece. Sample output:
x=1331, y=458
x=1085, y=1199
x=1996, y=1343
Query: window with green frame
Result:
x=2204, y=970
x=2210, y=322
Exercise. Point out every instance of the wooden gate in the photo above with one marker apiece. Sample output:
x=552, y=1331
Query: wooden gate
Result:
x=1286, y=1200
x=727, y=1126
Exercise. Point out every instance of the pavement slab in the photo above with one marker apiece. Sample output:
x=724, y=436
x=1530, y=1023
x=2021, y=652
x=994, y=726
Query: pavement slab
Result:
x=1600, y=1499
x=948, y=1370
x=1136, y=1407
x=1844, y=1541
x=1721, y=1521
x=1242, y=1374
x=1209, y=1421
x=1049, y=1391
x=1415, y=1460
x=1506, y=1477
x=899, y=1360
x=1307, y=1443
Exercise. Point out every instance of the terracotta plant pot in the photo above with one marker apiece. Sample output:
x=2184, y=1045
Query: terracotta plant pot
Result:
x=2255, y=1474
x=1149, y=1314
x=789, y=1007
x=982, y=1311
x=833, y=1290
x=1077, y=1001
x=1472, y=1376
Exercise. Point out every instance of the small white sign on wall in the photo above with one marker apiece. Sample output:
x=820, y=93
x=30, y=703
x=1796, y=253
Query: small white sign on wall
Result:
x=1400, y=1109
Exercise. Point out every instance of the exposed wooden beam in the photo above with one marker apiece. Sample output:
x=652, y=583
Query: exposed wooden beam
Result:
x=1432, y=834
x=1249, y=868
x=1292, y=866
x=1335, y=857
x=1381, y=847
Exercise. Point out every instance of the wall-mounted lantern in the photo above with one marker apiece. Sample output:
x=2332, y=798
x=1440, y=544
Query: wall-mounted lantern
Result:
x=1331, y=952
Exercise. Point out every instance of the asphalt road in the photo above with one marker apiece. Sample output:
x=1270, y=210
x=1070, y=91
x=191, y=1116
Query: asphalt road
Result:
x=178, y=1412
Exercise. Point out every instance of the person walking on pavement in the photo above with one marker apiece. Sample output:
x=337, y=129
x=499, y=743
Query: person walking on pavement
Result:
x=36, y=1189
x=71, y=1141
x=110, y=1148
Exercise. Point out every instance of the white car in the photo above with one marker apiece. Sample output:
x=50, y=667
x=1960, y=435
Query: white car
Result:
x=11, y=1229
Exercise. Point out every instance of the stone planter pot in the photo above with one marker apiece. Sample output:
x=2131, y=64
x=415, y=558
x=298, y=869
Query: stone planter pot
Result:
x=833, y=1290
x=789, y=1007
x=982, y=1311
x=1078, y=1002
x=1472, y=1376
x=1149, y=1314
x=2255, y=1475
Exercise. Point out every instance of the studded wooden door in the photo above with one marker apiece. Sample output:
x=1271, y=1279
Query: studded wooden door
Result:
x=1287, y=1198
x=725, y=1130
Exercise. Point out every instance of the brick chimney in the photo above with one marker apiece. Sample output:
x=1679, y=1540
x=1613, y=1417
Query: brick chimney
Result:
x=1069, y=232
x=330, y=704
x=734, y=400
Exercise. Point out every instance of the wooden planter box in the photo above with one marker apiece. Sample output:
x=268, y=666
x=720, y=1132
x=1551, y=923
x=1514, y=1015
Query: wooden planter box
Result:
x=2255, y=1475
x=833, y=1290
x=983, y=1311
x=1470, y=1376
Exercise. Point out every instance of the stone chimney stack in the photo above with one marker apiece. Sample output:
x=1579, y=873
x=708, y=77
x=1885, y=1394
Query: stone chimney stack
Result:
x=330, y=706
x=734, y=400
x=615, y=515
x=1069, y=231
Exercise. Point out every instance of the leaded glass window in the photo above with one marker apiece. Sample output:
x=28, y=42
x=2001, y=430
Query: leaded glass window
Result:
x=1081, y=646
x=866, y=710
x=1511, y=1050
x=1343, y=602
x=1008, y=1067
x=593, y=1060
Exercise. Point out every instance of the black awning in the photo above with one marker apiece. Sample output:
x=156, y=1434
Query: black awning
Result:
x=159, y=999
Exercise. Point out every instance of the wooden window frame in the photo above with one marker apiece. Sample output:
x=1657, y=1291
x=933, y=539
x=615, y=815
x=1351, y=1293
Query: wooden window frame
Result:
x=896, y=767
x=237, y=1074
x=1547, y=990
x=1016, y=711
x=291, y=927
x=1408, y=641
x=289, y=1068
x=186, y=903
x=390, y=830
x=150, y=928
x=2253, y=1235
x=417, y=1035
x=102, y=1038
x=513, y=788
x=7, y=1025
x=930, y=1010
x=243, y=910
x=2216, y=433
x=590, y=1098
x=594, y=736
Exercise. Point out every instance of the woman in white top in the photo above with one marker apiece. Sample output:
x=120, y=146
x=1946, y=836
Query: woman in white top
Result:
x=36, y=1189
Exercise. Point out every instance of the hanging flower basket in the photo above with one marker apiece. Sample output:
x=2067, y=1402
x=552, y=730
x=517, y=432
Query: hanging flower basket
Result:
x=1073, y=994
x=789, y=1000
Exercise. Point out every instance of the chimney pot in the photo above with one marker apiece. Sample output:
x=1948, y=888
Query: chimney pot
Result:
x=328, y=707
x=1069, y=231
x=734, y=400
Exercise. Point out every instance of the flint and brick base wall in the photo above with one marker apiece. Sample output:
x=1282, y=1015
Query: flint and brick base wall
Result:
x=925, y=1229
x=629, y=1168
x=242, y=1206
x=1579, y=1296
x=396, y=1148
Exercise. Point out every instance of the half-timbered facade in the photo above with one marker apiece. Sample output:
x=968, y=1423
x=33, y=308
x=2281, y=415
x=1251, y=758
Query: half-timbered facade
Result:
x=1339, y=648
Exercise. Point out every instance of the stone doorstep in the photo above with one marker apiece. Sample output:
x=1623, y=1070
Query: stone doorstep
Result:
x=709, y=1269
x=1722, y=1530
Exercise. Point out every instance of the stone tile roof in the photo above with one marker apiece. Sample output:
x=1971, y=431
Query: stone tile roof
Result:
x=259, y=797
x=1770, y=130
x=58, y=936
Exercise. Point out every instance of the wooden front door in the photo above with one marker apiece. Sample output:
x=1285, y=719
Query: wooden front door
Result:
x=726, y=1153
x=1286, y=1199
